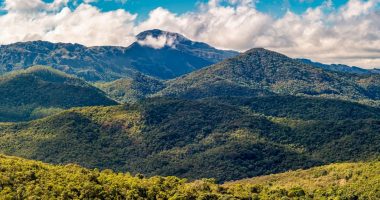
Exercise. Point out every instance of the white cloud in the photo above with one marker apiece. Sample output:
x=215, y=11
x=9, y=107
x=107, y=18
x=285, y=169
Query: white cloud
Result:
x=55, y=22
x=159, y=42
x=349, y=35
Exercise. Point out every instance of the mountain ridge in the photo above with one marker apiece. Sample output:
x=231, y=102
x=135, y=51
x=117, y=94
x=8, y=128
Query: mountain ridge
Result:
x=259, y=72
x=340, y=67
x=107, y=63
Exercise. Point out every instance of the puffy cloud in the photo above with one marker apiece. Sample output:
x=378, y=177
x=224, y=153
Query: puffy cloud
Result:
x=232, y=27
x=36, y=20
x=349, y=35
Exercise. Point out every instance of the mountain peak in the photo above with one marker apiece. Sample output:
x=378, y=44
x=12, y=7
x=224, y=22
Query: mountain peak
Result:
x=157, y=33
x=262, y=51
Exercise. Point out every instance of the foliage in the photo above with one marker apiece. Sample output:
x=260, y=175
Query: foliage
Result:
x=225, y=139
x=260, y=72
x=40, y=91
x=25, y=179
x=132, y=89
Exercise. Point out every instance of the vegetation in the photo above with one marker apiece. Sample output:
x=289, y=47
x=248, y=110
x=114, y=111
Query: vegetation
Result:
x=257, y=114
x=41, y=91
x=130, y=90
x=261, y=72
x=336, y=181
x=24, y=179
x=225, y=139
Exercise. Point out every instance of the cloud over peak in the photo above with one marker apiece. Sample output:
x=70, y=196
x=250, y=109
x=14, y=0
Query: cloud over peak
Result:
x=158, y=42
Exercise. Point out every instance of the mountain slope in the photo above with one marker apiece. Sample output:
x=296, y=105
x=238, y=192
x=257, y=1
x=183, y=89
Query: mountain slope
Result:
x=214, y=138
x=106, y=63
x=261, y=72
x=28, y=179
x=39, y=88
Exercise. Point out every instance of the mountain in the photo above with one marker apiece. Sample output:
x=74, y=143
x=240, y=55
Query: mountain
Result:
x=28, y=179
x=107, y=63
x=340, y=67
x=27, y=94
x=260, y=72
x=181, y=43
x=225, y=139
x=168, y=55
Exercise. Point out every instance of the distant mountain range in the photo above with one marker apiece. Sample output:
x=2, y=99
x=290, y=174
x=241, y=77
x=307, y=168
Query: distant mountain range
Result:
x=340, y=67
x=176, y=56
x=160, y=54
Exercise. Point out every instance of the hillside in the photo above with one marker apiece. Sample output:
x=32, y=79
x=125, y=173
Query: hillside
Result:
x=261, y=72
x=27, y=94
x=107, y=63
x=336, y=181
x=222, y=139
x=132, y=89
x=27, y=179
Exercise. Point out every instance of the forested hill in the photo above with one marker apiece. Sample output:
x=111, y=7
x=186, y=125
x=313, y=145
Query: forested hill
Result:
x=35, y=92
x=27, y=179
x=212, y=138
x=132, y=89
x=260, y=72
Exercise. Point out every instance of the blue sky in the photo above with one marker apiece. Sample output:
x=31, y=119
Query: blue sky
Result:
x=276, y=8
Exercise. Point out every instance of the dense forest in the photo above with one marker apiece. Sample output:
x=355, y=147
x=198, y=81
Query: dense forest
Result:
x=40, y=91
x=222, y=139
x=24, y=179
x=259, y=72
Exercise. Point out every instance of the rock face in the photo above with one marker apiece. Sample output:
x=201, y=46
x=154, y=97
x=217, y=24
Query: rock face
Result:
x=179, y=56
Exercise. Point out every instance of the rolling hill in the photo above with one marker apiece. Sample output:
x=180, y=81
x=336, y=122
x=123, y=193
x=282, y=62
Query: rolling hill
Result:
x=107, y=63
x=260, y=72
x=211, y=138
x=37, y=91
